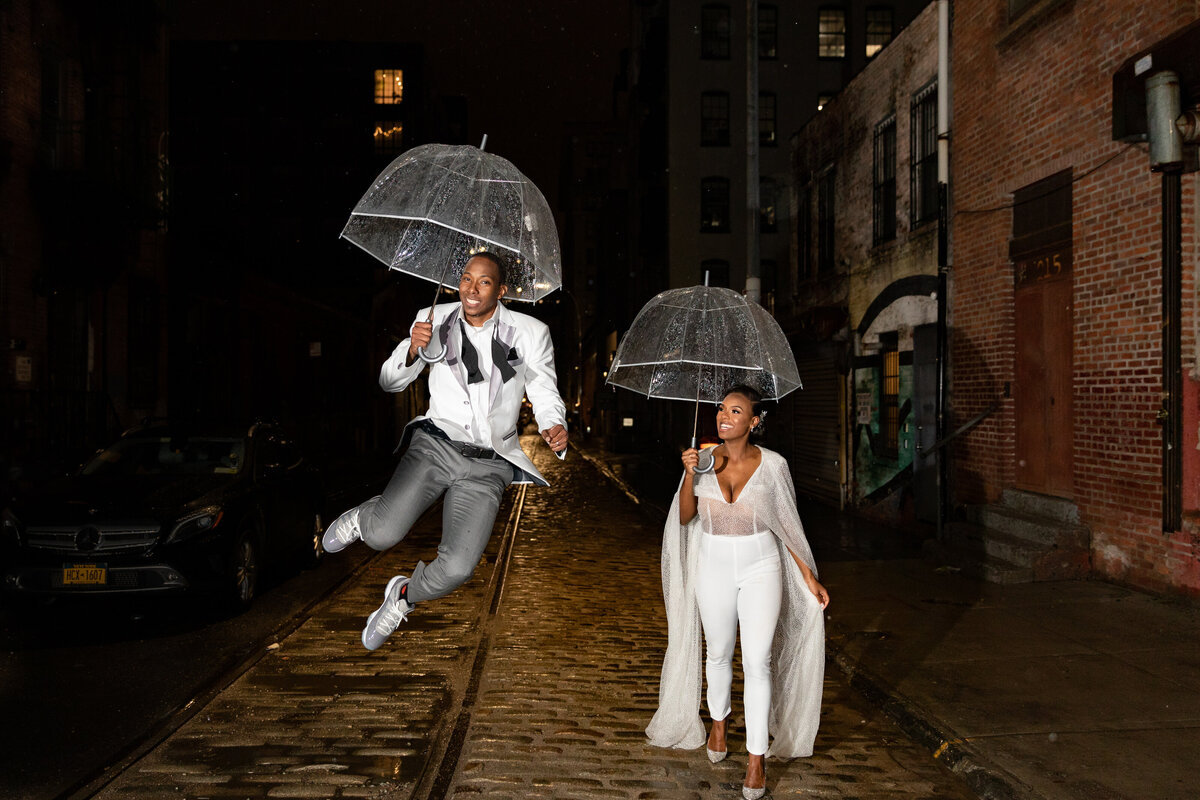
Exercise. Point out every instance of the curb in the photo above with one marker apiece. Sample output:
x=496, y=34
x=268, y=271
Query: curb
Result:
x=987, y=781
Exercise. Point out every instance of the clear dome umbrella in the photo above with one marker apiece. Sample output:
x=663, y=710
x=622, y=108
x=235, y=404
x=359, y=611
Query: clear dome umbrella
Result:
x=436, y=205
x=694, y=343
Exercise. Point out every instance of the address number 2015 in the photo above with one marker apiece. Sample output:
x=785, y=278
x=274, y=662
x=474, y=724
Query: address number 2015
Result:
x=1043, y=268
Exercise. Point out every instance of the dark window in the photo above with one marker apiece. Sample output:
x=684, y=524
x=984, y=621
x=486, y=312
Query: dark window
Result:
x=879, y=30
x=1042, y=215
x=144, y=333
x=389, y=137
x=768, y=32
x=766, y=119
x=923, y=172
x=884, y=205
x=889, y=396
x=768, y=198
x=831, y=33
x=714, y=32
x=804, y=261
x=715, y=271
x=825, y=222
x=714, y=119
x=714, y=205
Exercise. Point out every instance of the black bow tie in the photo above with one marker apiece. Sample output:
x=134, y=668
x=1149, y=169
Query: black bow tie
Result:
x=470, y=359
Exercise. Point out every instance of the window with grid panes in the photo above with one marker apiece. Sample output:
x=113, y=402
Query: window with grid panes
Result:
x=766, y=119
x=714, y=119
x=884, y=195
x=389, y=137
x=804, y=262
x=879, y=30
x=923, y=171
x=768, y=197
x=831, y=33
x=889, y=396
x=389, y=87
x=714, y=32
x=714, y=205
x=825, y=222
x=768, y=32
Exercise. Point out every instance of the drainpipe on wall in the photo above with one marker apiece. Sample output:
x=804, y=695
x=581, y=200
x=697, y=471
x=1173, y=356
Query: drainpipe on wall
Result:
x=943, y=252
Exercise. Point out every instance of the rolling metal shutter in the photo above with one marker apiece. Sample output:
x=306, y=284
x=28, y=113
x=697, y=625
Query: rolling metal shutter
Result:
x=817, y=426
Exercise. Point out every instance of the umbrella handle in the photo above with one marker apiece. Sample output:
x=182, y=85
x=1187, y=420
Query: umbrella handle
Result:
x=706, y=460
x=431, y=358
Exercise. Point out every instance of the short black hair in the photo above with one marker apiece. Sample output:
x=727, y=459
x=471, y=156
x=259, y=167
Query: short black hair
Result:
x=756, y=403
x=496, y=259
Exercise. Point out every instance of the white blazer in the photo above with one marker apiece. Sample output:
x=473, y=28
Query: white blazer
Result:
x=530, y=354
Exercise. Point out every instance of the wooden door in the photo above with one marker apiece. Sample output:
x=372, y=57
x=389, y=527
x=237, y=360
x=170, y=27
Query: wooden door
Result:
x=1042, y=394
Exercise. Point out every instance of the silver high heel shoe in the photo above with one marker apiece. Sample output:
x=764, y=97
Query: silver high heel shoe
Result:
x=715, y=756
x=753, y=794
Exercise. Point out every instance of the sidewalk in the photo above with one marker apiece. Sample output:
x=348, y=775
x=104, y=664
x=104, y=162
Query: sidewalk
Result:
x=1063, y=690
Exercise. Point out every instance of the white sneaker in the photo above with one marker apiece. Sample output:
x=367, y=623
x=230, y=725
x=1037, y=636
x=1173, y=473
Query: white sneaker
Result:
x=344, y=531
x=385, y=620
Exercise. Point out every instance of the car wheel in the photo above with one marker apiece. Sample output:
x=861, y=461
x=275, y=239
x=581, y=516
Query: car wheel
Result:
x=243, y=571
x=315, y=552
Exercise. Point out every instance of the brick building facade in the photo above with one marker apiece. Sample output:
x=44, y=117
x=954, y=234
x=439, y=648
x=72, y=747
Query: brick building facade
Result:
x=865, y=251
x=1057, y=285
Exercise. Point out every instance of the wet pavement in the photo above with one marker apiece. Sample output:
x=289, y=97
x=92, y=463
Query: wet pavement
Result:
x=535, y=679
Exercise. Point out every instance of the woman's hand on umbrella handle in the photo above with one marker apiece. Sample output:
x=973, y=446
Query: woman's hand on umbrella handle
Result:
x=690, y=458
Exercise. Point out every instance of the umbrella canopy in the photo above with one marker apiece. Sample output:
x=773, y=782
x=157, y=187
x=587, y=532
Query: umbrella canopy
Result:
x=436, y=205
x=694, y=343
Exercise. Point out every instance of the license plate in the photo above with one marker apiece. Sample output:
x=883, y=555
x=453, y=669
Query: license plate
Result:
x=85, y=575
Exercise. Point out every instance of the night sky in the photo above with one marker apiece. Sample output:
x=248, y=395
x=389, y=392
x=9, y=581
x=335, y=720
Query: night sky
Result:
x=526, y=68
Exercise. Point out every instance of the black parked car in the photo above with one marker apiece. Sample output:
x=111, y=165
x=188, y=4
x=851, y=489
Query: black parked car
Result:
x=168, y=509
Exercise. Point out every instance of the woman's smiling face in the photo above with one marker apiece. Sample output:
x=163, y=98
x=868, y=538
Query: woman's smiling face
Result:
x=735, y=416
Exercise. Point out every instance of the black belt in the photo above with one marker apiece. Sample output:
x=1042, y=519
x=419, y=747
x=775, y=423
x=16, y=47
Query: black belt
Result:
x=464, y=449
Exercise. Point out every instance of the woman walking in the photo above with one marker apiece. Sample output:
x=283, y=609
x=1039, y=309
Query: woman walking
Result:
x=735, y=555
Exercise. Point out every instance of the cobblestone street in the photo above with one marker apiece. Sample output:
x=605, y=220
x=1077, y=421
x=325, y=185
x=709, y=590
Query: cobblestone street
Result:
x=572, y=677
x=531, y=682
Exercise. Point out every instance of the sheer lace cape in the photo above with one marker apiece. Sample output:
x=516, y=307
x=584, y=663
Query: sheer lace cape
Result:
x=798, y=656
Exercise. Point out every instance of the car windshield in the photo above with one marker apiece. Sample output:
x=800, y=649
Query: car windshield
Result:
x=198, y=455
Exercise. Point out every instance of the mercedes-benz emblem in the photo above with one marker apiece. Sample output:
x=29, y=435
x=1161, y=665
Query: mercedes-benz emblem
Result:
x=88, y=539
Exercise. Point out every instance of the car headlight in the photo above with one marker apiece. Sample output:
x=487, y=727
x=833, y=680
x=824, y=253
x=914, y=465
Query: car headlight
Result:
x=196, y=523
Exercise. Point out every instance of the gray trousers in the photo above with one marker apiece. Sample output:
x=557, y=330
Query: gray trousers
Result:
x=473, y=488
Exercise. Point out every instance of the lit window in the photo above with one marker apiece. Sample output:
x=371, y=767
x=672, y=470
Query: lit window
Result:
x=879, y=29
x=714, y=119
x=714, y=205
x=714, y=32
x=389, y=137
x=889, y=405
x=766, y=118
x=389, y=86
x=831, y=28
x=885, y=181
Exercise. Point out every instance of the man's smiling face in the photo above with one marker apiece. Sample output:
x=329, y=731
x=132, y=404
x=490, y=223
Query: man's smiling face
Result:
x=480, y=289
